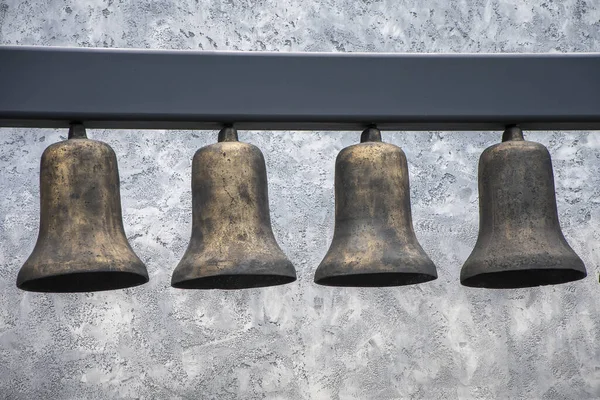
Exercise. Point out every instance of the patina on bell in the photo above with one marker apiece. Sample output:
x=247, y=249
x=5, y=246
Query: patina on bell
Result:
x=232, y=244
x=81, y=245
x=520, y=242
x=374, y=243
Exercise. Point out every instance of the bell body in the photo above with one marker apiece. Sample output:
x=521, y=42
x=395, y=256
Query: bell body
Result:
x=81, y=244
x=520, y=241
x=232, y=244
x=374, y=243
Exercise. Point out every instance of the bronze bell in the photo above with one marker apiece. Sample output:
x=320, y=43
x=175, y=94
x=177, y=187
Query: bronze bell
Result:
x=520, y=242
x=374, y=243
x=81, y=245
x=232, y=244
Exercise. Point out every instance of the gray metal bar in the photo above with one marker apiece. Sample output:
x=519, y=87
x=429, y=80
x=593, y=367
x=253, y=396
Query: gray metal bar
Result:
x=157, y=89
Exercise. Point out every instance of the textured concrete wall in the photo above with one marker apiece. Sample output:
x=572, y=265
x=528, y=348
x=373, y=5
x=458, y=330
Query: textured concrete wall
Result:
x=301, y=341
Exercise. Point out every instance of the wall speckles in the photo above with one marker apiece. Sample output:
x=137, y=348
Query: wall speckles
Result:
x=301, y=341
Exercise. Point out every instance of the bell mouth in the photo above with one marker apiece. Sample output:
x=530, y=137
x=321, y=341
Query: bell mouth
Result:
x=523, y=278
x=385, y=279
x=231, y=282
x=83, y=282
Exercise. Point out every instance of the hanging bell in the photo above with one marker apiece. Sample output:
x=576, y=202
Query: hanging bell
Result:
x=232, y=244
x=520, y=242
x=81, y=245
x=374, y=243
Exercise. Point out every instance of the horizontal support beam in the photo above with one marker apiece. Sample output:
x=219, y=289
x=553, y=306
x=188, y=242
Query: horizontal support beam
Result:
x=161, y=89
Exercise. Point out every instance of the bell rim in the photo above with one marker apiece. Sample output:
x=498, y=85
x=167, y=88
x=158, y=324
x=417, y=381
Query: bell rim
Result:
x=523, y=278
x=232, y=281
x=83, y=281
x=376, y=279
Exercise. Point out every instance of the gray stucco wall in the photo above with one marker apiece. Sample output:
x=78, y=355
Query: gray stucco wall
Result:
x=301, y=341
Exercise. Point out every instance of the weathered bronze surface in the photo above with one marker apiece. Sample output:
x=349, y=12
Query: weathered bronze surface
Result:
x=81, y=245
x=374, y=243
x=232, y=244
x=520, y=242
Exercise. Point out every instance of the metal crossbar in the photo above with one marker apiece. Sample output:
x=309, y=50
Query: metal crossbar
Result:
x=50, y=87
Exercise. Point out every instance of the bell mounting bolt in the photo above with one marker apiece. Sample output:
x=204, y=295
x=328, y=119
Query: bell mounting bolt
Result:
x=228, y=134
x=512, y=132
x=371, y=134
x=77, y=131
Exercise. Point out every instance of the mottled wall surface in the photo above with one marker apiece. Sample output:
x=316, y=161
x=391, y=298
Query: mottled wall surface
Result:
x=301, y=341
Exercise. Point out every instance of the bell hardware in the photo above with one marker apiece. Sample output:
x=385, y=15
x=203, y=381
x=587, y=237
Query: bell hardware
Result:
x=520, y=242
x=374, y=243
x=232, y=244
x=81, y=245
